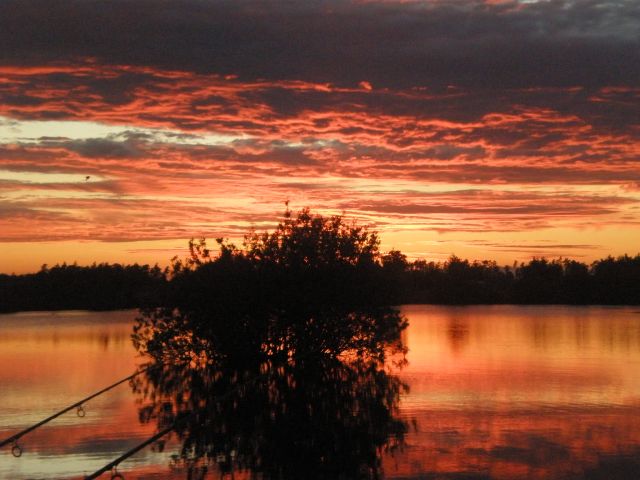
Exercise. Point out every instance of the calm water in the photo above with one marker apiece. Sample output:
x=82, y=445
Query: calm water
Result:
x=494, y=393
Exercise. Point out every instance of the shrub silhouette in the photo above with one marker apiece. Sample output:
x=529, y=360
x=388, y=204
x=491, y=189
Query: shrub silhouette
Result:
x=312, y=276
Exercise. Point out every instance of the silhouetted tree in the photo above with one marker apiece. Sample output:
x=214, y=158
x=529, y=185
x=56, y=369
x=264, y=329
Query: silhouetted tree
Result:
x=617, y=280
x=539, y=281
x=278, y=285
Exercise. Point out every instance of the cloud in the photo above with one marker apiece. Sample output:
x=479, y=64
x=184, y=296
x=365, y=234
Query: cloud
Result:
x=386, y=44
x=223, y=110
x=104, y=148
x=489, y=211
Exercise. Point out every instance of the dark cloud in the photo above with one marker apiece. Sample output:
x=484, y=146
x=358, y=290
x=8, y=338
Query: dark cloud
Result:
x=18, y=212
x=534, y=246
x=513, y=174
x=104, y=148
x=436, y=43
x=490, y=204
x=447, y=152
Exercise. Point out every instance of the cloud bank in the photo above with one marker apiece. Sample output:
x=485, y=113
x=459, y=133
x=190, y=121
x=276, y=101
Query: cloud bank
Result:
x=150, y=119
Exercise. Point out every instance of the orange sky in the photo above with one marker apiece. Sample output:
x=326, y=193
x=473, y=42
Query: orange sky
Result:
x=488, y=139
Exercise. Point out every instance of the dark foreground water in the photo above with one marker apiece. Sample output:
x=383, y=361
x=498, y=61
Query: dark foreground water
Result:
x=494, y=393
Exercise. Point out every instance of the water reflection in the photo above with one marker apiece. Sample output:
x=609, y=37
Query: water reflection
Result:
x=458, y=334
x=534, y=393
x=531, y=393
x=299, y=406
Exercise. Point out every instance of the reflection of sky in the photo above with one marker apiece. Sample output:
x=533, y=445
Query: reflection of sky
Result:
x=53, y=360
x=521, y=392
x=550, y=355
x=504, y=392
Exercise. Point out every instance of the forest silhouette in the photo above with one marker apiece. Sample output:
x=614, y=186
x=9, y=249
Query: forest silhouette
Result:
x=319, y=260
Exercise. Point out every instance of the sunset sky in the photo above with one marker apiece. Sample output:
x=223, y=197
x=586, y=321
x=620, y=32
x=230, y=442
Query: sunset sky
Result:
x=495, y=129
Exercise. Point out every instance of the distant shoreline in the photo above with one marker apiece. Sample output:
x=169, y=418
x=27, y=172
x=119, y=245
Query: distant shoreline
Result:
x=469, y=305
x=107, y=287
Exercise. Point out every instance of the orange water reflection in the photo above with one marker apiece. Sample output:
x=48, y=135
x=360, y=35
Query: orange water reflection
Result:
x=495, y=393
x=51, y=360
x=521, y=392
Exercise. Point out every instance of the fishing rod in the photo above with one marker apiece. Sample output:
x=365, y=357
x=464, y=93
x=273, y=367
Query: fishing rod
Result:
x=16, y=450
x=115, y=475
x=114, y=464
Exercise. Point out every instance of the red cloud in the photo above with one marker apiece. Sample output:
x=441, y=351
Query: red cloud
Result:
x=368, y=151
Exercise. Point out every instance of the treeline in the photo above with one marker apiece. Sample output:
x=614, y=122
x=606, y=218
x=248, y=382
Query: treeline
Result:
x=315, y=261
x=72, y=287
x=610, y=281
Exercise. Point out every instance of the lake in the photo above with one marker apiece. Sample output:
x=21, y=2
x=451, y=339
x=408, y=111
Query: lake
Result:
x=495, y=392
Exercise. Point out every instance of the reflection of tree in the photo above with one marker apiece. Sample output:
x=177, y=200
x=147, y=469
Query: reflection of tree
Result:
x=458, y=333
x=309, y=413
